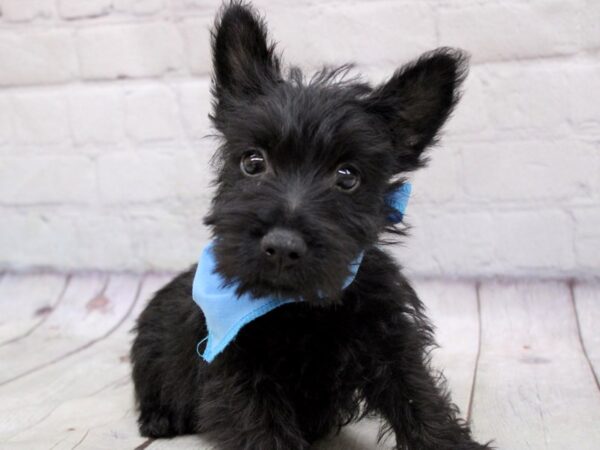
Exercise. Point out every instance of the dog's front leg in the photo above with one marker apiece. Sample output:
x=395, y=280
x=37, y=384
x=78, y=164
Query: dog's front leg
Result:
x=417, y=409
x=242, y=413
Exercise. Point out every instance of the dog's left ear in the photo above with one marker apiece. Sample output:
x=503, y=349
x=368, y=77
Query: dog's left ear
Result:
x=244, y=60
x=417, y=100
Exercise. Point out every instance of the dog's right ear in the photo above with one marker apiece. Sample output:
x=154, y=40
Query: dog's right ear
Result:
x=244, y=61
x=416, y=101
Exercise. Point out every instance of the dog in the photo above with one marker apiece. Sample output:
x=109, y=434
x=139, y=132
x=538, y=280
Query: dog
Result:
x=301, y=211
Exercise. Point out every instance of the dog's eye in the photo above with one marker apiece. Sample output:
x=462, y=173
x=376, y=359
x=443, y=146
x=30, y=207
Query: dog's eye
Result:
x=253, y=163
x=347, y=177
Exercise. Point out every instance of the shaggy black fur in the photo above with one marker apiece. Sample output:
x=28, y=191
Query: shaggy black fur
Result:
x=307, y=368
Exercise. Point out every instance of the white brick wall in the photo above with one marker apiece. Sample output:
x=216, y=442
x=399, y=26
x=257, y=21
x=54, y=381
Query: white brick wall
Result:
x=104, y=159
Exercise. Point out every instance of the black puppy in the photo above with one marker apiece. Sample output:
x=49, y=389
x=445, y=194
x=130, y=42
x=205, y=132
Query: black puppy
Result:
x=304, y=170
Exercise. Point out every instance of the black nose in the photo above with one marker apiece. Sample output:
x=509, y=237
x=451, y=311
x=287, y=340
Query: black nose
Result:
x=283, y=246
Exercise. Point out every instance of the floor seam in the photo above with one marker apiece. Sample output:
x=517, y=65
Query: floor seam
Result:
x=571, y=285
x=478, y=355
x=144, y=444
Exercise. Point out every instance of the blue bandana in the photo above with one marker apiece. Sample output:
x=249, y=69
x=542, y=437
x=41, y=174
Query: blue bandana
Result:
x=226, y=313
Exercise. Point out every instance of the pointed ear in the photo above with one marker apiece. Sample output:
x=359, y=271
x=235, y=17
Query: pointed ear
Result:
x=243, y=59
x=416, y=101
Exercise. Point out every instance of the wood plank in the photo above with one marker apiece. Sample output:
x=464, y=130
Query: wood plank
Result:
x=358, y=436
x=81, y=316
x=587, y=302
x=452, y=308
x=179, y=443
x=84, y=398
x=120, y=423
x=534, y=389
x=108, y=416
x=26, y=301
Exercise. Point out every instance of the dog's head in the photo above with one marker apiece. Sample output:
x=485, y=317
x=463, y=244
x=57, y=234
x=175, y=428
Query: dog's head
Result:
x=305, y=166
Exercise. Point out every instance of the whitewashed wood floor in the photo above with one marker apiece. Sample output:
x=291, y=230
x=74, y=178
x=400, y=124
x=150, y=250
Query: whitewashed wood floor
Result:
x=522, y=359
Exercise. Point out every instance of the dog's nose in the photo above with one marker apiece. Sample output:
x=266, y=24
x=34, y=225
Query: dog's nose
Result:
x=283, y=246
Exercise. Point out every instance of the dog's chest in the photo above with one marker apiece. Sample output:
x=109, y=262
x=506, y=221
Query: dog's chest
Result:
x=296, y=339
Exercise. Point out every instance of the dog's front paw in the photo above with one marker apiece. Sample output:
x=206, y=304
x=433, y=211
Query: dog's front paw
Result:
x=156, y=425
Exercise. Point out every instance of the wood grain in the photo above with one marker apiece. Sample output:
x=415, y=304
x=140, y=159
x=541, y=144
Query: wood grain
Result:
x=85, y=369
x=586, y=298
x=26, y=301
x=77, y=317
x=534, y=389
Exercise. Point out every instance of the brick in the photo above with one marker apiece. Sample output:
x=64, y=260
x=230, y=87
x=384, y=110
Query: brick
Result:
x=357, y=33
x=470, y=115
x=184, y=229
x=509, y=30
x=439, y=181
x=186, y=6
x=533, y=242
x=40, y=118
x=587, y=237
x=527, y=97
x=150, y=176
x=6, y=128
x=590, y=24
x=141, y=7
x=151, y=113
x=151, y=237
x=107, y=236
x=445, y=242
x=584, y=84
x=97, y=115
x=196, y=35
x=46, y=179
x=27, y=10
x=530, y=171
x=78, y=9
x=384, y=33
x=129, y=51
x=195, y=104
x=26, y=229
x=37, y=57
